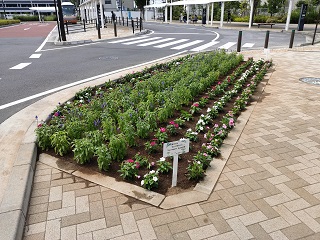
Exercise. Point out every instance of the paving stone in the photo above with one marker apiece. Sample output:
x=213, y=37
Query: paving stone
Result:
x=38, y=208
x=87, y=191
x=85, y=236
x=238, y=227
x=52, y=229
x=108, y=233
x=239, y=190
x=54, y=205
x=40, y=192
x=219, y=222
x=213, y=206
x=183, y=212
x=202, y=220
x=314, y=188
x=59, y=213
x=73, y=186
x=232, y=212
x=140, y=214
x=298, y=231
x=277, y=199
x=129, y=236
x=128, y=223
x=182, y=225
x=257, y=194
x=163, y=233
x=75, y=219
x=35, y=228
x=68, y=233
x=60, y=182
x=91, y=226
x=68, y=199
x=96, y=210
x=266, y=208
x=297, y=183
x=228, y=198
x=95, y=197
x=254, y=185
x=109, y=194
x=234, y=178
x=307, y=196
x=202, y=232
x=278, y=235
x=274, y=224
x=146, y=230
x=112, y=216
x=164, y=219
x=225, y=236
x=286, y=214
x=258, y=232
x=246, y=203
x=37, y=218
x=313, y=211
x=82, y=204
x=195, y=209
x=252, y=218
x=39, y=200
x=37, y=236
x=109, y=202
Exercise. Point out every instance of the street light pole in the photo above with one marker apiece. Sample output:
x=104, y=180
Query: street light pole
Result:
x=4, y=10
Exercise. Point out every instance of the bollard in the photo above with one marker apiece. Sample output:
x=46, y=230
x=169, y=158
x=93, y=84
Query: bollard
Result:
x=137, y=22
x=291, y=39
x=127, y=21
x=239, y=41
x=99, y=32
x=122, y=21
x=315, y=31
x=140, y=24
x=67, y=27
x=84, y=25
x=266, y=42
x=132, y=23
x=115, y=29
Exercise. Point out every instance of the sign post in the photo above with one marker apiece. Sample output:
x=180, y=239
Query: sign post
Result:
x=174, y=149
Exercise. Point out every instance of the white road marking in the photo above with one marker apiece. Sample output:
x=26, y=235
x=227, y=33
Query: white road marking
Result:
x=183, y=34
x=139, y=41
x=20, y=66
x=227, y=45
x=248, y=45
x=187, y=44
x=84, y=80
x=75, y=46
x=155, y=42
x=171, y=43
x=26, y=29
x=35, y=55
x=45, y=41
x=204, y=46
x=127, y=40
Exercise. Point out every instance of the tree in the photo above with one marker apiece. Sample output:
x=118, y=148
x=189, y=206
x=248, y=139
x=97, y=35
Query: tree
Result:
x=140, y=4
x=274, y=6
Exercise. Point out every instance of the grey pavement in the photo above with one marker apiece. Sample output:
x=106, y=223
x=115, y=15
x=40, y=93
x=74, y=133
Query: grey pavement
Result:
x=269, y=187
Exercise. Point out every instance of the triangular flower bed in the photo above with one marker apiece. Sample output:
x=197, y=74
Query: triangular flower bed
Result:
x=119, y=128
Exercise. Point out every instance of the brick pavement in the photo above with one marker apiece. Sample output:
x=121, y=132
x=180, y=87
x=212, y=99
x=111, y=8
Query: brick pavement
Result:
x=269, y=189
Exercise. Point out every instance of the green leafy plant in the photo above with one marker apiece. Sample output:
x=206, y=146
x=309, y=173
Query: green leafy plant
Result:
x=193, y=136
x=103, y=157
x=108, y=128
x=129, y=169
x=60, y=142
x=163, y=166
x=195, y=170
x=162, y=135
x=95, y=137
x=195, y=108
x=204, y=158
x=150, y=180
x=172, y=128
x=83, y=150
x=143, y=129
x=151, y=146
x=142, y=160
x=118, y=147
x=186, y=116
x=44, y=133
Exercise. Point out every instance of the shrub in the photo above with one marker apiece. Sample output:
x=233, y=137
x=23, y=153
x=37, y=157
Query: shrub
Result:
x=163, y=165
x=150, y=180
x=118, y=147
x=60, y=142
x=195, y=170
x=83, y=150
x=129, y=169
x=104, y=158
x=44, y=132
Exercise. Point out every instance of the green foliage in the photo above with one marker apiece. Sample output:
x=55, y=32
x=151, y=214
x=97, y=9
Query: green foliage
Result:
x=118, y=147
x=60, y=142
x=195, y=170
x=204, y=158
x=44, y=133
x=161, y=135
x=130, y=135
x=95, y=137
x=75, y=129
x=83, y=150
x=163, y=166
x=142, y=160
x=129, y=169
x=150, y=180
x=26, y=18
x=103, y=157
x=143, y=129
x=108, y=128
x=4, y=22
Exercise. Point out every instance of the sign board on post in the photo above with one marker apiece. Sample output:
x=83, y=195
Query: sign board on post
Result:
x=174, y=149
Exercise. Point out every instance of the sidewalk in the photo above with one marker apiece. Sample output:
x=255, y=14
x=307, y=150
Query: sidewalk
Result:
x=269, y=189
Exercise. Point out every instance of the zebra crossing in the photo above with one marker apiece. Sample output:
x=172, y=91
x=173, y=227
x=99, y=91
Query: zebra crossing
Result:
x=177, y=44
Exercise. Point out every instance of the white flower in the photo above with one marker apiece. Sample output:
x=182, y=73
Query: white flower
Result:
x=199, y=162
x=209, y=110
x=189, y=130
x=162, y=159
x=201, y=128
x=142, y=182
x=81, y=101
x=68, y=102
x=152, y=171
x=155, y=179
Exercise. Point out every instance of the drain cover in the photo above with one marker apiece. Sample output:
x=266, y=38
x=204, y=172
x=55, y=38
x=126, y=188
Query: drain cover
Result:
x=311, y=80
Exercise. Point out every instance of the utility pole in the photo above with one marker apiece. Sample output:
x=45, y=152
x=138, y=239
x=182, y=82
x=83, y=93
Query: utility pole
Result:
x=61, y=23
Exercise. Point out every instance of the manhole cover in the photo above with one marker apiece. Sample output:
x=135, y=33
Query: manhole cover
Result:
x=311, y=80
x=108, y=58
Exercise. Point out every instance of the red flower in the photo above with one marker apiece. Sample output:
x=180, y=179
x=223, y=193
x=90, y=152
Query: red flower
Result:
x=195, y=104
x=176, y=125
x=130, y=161
x=153, y=143
x=171, y=122
x=39, y=125
x=162, y=130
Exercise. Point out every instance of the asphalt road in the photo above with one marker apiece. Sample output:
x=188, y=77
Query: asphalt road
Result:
x=54, y=67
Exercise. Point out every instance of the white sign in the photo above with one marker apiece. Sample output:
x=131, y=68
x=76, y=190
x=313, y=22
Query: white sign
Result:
x=175, y=148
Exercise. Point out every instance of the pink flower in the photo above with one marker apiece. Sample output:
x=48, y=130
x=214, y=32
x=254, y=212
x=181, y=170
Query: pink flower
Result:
x=138, y=176
x=153, y=143
x=231, y=122
x=172, y=122
x=205, y=135
x=204, y=154
x=216, y=125
x=195, y=104
x=152, y=163
x=39, y=125
x=130, y=161
x=137, y=164
x=224, y=126
x=176, y=125
x=219, y=83
x=56, y=114
x=162, y=130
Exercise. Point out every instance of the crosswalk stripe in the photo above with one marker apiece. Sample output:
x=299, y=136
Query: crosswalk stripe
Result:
x=204, y=46
x=227, y=45
x=143, y=40
x=35, y=55
x=171, y=43
x=20, y=66
x=127, y=40
x=248, y=45
x=155, y=42
x=187, y=44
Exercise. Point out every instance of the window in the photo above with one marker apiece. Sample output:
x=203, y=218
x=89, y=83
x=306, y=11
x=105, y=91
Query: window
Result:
x=107, y=1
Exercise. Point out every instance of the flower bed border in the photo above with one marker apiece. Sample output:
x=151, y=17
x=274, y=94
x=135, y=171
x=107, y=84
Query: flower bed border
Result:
x=200, y=192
